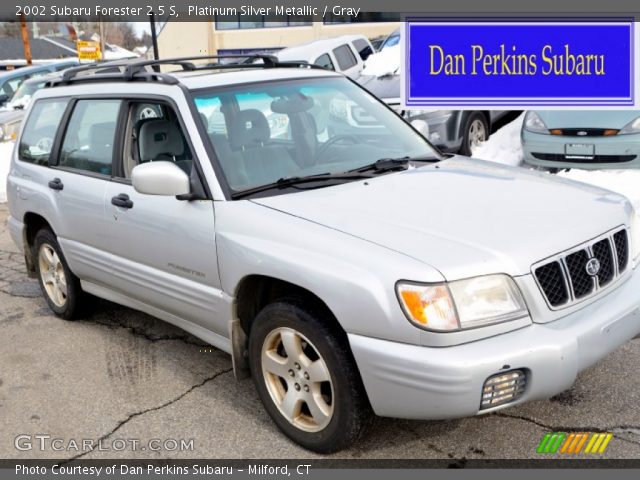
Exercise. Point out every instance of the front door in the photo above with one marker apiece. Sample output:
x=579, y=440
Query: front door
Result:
x=164, y=251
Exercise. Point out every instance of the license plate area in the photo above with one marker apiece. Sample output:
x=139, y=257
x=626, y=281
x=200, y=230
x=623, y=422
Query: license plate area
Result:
x=579, y=150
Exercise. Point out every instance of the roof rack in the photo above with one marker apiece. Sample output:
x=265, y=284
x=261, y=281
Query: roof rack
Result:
x=138, y=70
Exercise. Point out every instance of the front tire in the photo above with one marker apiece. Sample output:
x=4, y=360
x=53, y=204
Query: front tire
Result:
x=60, y=287
x=306, y=377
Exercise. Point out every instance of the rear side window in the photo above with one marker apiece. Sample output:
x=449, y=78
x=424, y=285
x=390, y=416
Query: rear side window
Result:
x=325, y=62
x=345, y=57
x=90, y=134
x=39, y=132
x=363, y=48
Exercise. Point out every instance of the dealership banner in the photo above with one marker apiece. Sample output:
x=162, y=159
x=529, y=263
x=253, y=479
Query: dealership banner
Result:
x=552, y=63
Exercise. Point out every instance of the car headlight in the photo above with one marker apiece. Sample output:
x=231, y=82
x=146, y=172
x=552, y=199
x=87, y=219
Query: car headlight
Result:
x=631, y=127
x=462, y=304
x=9, y=131
x=635, y=236
x=533, y=123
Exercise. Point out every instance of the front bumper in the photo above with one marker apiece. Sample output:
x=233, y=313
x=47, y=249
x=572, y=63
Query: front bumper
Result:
x=409, y=381
x=548, y=151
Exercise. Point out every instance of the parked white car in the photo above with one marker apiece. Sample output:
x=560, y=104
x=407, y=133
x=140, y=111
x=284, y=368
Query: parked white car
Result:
x=345, y=54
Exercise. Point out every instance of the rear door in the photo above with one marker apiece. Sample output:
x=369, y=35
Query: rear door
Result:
x=78, y=178
x=164, y=250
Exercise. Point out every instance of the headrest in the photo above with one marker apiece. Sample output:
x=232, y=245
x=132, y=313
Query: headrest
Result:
x=250, y=128
x=159, y=137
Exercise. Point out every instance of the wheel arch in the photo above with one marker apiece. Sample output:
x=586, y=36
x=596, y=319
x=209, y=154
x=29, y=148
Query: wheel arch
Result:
x=252, y=294
x=33, y=223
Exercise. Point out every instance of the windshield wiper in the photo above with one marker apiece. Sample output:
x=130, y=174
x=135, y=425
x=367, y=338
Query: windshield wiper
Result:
x=291, y=181
x=391, y=164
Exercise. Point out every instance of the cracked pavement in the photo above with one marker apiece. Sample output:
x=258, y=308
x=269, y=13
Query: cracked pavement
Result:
x=120, y=374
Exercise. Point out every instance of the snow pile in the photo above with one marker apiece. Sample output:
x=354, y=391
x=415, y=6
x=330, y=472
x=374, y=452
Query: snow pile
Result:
x=5, y=156
x=503, y=146
x=385, y=62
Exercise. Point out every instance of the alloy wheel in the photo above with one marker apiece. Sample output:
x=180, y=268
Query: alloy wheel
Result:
x=297, y=379
x=52, y=275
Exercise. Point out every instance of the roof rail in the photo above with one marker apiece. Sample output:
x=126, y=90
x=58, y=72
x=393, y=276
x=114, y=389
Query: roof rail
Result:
x=128, y=70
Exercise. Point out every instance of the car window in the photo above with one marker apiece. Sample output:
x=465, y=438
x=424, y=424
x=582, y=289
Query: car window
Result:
x=10, y=86
x=345, y=57
x=363, y=48
x=302, y=127
x=325, y=61
x=40, y=130
x=153, y=133
x=90, y=135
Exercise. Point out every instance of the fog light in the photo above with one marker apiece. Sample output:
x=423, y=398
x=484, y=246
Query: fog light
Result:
x=502, y=388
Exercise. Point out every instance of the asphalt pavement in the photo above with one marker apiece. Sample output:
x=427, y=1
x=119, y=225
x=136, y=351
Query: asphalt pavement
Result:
x=121, y=379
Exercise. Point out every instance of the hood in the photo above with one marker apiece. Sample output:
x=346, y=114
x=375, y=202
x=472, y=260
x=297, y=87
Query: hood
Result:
x=464, y=217
x=588, y=119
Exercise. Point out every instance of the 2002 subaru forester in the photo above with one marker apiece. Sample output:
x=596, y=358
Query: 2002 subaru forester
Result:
x=284, y=215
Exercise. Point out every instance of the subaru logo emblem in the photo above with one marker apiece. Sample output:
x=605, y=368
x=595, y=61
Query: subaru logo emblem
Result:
x=593, y=267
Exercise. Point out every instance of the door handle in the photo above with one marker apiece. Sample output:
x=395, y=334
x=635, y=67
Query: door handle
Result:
x=56, y=184
x=122, y=201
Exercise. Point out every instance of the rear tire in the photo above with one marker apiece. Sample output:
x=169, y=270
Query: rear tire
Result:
x=307, y=378
x=60, y=287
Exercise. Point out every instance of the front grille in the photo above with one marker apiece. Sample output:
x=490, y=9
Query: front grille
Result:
x=577, y=275
x=585, y=132
x=560, y=157
x=622, y=249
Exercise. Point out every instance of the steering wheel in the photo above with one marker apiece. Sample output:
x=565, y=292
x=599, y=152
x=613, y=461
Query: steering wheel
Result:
x=333, y=141
x=45, y=144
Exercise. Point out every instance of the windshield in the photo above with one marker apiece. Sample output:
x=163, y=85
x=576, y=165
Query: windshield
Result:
x=262, y=133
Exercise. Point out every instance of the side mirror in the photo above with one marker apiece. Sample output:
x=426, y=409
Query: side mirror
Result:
x=421, y=126
x=3, y=98
x=160, y=178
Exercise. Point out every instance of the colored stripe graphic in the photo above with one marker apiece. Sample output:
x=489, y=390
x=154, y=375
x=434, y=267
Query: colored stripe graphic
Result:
x=574, y=443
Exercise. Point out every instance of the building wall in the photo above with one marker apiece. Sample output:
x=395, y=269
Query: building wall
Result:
x=201, y=38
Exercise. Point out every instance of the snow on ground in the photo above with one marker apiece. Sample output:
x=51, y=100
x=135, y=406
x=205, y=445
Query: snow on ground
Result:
x=504, y=145
x=5, y=156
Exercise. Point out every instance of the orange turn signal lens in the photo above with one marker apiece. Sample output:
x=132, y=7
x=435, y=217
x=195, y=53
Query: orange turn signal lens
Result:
x=429, y=306
x=610, y=132
x=555, y=131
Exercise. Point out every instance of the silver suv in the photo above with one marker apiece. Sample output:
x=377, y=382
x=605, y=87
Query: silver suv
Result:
x=282, y=214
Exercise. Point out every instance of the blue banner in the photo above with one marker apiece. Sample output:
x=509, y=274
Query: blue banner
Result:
x=519, y=64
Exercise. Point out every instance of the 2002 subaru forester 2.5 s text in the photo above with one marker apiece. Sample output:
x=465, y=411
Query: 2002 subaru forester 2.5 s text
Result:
x=282, y=214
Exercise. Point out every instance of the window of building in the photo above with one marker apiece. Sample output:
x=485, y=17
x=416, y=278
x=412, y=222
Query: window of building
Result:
x=90, y=135
x=345, y=57
x=238, y=22
x=40, y=130
x=364, y=17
